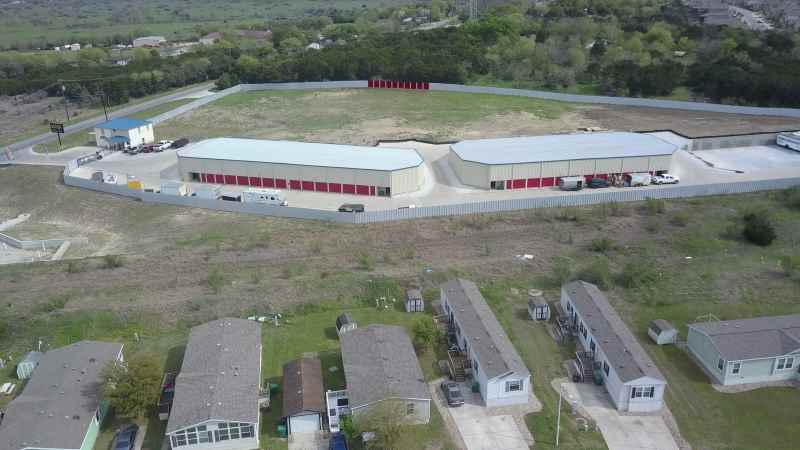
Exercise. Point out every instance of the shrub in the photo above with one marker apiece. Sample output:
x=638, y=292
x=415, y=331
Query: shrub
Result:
x=790, y=265
x=758, y=229
x=680, y=219
x=597, y=272
x=652, y=225
x=653, y=206
x=424, y=333
x=616, y=209
x=562, y=269
x=791, y=197
x=113, y=261
x=75, y=267
x=364, y=261
x=54, y=304
x=637, y=274
x=215, y=280
x=601, y=245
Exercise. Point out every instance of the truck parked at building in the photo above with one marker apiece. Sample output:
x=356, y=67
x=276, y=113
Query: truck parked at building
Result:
x=789, y=140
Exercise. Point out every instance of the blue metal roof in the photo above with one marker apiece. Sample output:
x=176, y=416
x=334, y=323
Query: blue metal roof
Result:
x=120, y=139
x=122, y=123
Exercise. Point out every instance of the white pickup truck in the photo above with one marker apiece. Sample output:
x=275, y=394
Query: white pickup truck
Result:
x=666, y=178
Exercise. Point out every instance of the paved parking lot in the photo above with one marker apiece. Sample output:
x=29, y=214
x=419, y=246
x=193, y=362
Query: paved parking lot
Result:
x=620, y=431
x=752, y=159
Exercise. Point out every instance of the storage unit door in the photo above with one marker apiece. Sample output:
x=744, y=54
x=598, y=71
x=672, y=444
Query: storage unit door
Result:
x=304, y=424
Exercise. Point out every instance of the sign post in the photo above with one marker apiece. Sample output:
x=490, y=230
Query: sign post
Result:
x=58, y=129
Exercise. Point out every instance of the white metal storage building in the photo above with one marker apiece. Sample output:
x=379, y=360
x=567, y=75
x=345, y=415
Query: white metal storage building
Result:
x=539, y=161
x=343, y=169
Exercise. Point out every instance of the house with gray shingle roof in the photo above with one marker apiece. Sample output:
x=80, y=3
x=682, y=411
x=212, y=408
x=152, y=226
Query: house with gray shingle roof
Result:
x=217, y=392
x=629, y=375
x=496, y=366
x=380, y=365
x=756, y=350
x=61, y=406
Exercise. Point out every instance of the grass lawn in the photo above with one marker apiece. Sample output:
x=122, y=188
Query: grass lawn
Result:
x=86, y=137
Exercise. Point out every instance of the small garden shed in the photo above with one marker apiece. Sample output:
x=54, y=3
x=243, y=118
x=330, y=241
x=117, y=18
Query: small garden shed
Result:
x=414, y=301
x=538, y=308
x=662, y=332
x=345, y=323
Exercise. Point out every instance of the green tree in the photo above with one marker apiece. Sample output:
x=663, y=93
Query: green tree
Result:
x=132, y=388
x=758, y=229
x=424, y=333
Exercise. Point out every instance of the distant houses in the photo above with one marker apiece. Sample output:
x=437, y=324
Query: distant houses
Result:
x=61, y=407
x=496, y=366
x=629, y=375
x=381, y=368
x=756, y=350
x=218, y=390
x=149, y=41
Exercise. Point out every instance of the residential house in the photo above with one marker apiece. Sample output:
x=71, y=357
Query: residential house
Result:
x=218, y=390
x=629, y=375
x=496, y=366
x=61, y=407
x=211, y=38
x=123, y=132
x=756, y=350
x=258, y=35
x=149, y=41
x=303, y=398
x=380, y=366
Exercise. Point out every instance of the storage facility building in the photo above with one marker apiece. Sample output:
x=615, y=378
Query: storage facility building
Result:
x=539, y=161
x=342, y=169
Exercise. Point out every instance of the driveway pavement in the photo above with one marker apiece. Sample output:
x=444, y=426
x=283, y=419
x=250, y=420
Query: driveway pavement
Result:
x=481, y=428
x=620, y=431
x=308, y=441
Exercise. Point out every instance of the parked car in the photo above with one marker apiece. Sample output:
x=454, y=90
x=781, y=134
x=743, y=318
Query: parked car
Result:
x=180, y=143
x=337, y=442
x=597, y=183
x=352, y=208
x=665, y=178
x=452, y=392
x=148, y=148
x=133, y=150
x=162, y=145
x=125, y=438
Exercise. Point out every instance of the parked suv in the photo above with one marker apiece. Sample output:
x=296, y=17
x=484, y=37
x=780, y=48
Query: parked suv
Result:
x=337, y=442
x=596, y=183
x=125, y=438
x=666, y=179
x=452, y=392
x=352, y=208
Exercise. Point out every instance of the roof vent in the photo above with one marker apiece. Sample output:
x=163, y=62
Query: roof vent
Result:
x=76, y=417
x=219, y=403
x=50, y=415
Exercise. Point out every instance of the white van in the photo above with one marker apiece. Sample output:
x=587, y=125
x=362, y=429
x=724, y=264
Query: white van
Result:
x=265, y=196
x=639, y=179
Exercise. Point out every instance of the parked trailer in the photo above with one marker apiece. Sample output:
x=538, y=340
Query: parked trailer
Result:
x=789, y=140
x=571, y=183
x=264, y=196
x=174, y=188
x=206, y=191
x=638, y=179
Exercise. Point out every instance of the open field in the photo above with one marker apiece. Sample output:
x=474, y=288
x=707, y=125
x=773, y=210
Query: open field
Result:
x=368, y=116
x=181, y=267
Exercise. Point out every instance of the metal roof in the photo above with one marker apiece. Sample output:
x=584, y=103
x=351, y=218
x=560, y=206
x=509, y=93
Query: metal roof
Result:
x=623, y=351
x=495, y=353
x=61, y=398
x=661, y=325
x=758, y=337
x=303, y=154
x=122, y=123
x=380, y=363
x=302, y=387
x=221, y=375
x=562, y=147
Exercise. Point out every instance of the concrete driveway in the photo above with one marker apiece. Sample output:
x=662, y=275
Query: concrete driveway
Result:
x=308, y=441
x=620, y=431
x=481, y=428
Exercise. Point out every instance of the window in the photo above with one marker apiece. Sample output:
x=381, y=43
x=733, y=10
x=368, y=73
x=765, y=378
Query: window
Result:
x=591, y=345
x=606, y=368
x=736, y=368
x=475, y=366
x=643, y=391
x=720, y=364
x=247, y=431
x=785, y=363
x=513, y=385
x=384, y=191
x=409, y=408
x=195, y=176
x=191, y=436
x=498, y=185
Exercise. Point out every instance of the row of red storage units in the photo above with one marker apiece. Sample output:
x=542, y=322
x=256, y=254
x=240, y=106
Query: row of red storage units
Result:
x=394, y=84
x=297, y=185
x=551, y=181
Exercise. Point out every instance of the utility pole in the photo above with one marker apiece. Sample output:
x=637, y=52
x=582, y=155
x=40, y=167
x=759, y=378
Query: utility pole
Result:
x=64, y=91
x=103, y=99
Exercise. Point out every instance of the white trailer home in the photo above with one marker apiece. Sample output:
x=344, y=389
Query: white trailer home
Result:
x=496, y=366
x=756, y=350
x=629, y=375
x=789, y=140
x=264, y=196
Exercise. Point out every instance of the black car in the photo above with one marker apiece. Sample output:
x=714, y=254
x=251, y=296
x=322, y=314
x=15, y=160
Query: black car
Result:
x=452, y=393
x=352, y=208
x=125, y=438
x=180, y=143
x=596, y=183
x=337, y=442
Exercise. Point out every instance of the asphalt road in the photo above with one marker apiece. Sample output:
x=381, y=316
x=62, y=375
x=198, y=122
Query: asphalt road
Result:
x=90, y=123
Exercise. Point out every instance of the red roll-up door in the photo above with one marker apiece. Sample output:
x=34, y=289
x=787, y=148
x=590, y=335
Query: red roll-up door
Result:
x=508, y=184
x=427, y=85
x=219, y=179
x=334, y=187
x=372, y=191
x=588, y=178
x=267, y=182
x=519, y=184
x=534, y=182
x=295, y=184
x=230, y=179
x=384, y=84
x=242, y=181
x=280, y=183
x=370, y=83
x=308, y=185
x=321, y=187
x=394, y=84
x=362, y=189
x=548, y=182
x=255, y=181
x=406, y=85
x=349, y=188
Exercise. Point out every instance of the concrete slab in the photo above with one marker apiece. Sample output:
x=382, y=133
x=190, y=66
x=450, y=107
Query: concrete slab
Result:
x=620, y=431
x=308, y=441
x=751, y=159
